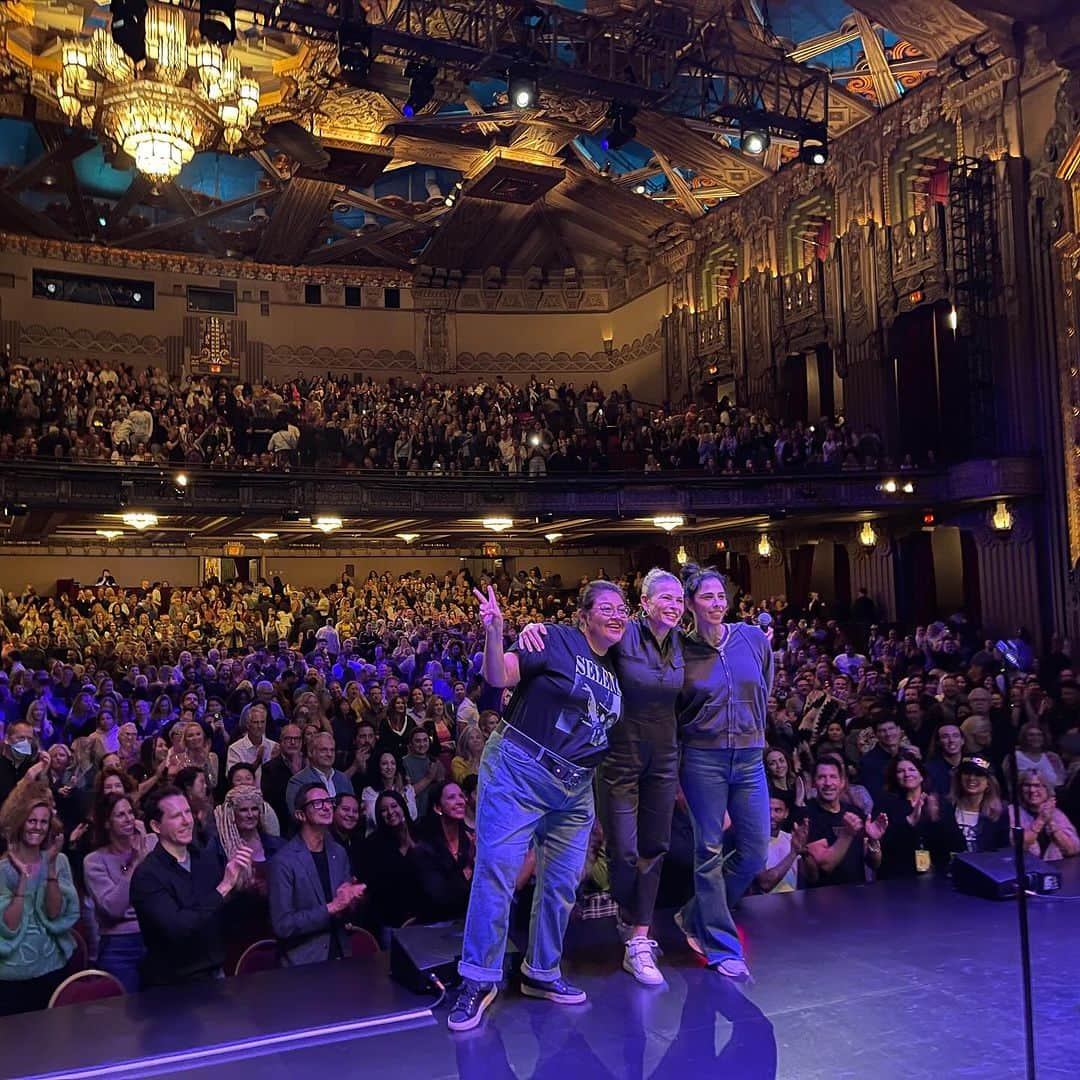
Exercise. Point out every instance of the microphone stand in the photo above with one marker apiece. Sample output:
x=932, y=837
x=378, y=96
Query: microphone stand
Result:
x=1012, y=661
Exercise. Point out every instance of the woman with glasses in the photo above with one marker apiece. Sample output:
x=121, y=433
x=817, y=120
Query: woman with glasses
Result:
x=639, y=778
x=536, y=789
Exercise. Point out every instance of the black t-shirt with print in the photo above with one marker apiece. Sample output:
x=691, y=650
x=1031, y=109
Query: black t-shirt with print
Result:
x=568, y=696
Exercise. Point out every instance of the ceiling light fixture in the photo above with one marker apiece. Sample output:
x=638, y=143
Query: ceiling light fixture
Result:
x=522, y=85
x=498, y=524
x=327, y=523
x=552, y=537
x=140, y=519
x=669, y=522
x=265, y=536
x=407, y=537
x=421, y=75
x=813, y=151
x=109, y=534
x=755, y=141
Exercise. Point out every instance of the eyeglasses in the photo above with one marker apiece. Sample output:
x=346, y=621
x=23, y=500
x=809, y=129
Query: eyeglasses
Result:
x=609, y=610
x=318, y=804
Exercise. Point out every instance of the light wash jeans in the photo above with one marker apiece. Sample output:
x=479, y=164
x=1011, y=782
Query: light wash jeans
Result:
x=520, y=801
x=715, y=782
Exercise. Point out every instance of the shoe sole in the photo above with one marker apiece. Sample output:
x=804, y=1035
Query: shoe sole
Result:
x=550, y=995
x=695, y=945
x=474, y=1020
x=743, y=978
x=629, y=968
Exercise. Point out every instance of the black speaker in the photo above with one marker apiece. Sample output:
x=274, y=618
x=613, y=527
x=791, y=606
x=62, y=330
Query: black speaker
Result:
x=421, y=954
x=992, y=874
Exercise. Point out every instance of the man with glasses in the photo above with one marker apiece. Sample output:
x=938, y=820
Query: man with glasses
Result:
x=311, y=886
x=279, y=770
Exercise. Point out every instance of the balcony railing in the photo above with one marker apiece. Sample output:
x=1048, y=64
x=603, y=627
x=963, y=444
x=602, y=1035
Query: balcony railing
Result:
x=803, y=294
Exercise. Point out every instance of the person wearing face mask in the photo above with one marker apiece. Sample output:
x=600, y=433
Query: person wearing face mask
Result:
x=721, y=714
x=18, y=756
x=638, y=780
x=536, y=778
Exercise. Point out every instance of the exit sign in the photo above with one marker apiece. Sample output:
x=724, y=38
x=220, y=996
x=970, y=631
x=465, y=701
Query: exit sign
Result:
x=916, y=297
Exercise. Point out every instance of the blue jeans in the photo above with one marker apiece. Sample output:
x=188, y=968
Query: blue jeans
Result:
x=121, y=955
x=716, y=782
x=519, y=803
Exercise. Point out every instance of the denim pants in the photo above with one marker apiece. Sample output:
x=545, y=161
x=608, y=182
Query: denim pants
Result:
x=716, y=782
x=519, y=803
x=121, y=955
x=636, y=795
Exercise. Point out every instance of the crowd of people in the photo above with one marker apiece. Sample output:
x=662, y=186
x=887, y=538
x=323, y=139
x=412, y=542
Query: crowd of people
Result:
x=87, y=412
x=174, y=758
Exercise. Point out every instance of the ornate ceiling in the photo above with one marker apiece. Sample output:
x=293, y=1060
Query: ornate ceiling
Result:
x=537, y=188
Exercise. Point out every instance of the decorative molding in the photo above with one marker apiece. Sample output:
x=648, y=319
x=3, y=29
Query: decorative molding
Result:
x=647, y=348
x=45, y=340
x=323, y=358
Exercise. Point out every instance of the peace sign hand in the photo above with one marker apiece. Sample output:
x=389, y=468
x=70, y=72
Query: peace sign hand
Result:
x=490, y=612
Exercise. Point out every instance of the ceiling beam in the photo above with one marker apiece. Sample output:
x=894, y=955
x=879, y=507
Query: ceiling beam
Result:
x=823, y=43
x=888, y=93
x=681, y=188
x=331, y=253
x=296, y=218
x=167, y=228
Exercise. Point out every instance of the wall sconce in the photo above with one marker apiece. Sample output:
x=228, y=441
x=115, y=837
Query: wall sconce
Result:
x=609, y=342
x=1002, y=518
x=867, y=535
x=681, y=557
x=953, y=319
x=764, y=547
x=668, y=522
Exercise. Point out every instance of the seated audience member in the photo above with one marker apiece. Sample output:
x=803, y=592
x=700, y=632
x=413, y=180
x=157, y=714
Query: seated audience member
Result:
x=973, y=816
x=254, y=748
x=243, y=776
x=397, y=728
x=470, y=745
x=119, y=845
x=443, y=859
x=312, y=888
x=388, y=871
x=874, y=763
x=277, y=773
x=913, y=838
x=437, y=723
x=386, y=774
x=782, y=777
x=347, y=830
x=178, y=892
x=842, y=843
x=320, y=771
x=1048, y=833
x=38, y=902
x=785, y=856
x=423, y=771
x=946, y=753
x=191, y=780
x=464, y=704
x=18, y=755
x=1033, y=755
x=194, y=751
x=363, y=747
x=59, y=776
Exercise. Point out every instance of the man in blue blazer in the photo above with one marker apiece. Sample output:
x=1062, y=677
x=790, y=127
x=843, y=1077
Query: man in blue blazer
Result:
x=311, y=886
x=320, y=770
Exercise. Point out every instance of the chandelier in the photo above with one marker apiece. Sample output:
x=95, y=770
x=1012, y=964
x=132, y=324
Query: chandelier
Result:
x=164, y=109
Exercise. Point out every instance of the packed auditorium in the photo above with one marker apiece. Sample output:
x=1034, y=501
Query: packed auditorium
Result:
x=539, y=539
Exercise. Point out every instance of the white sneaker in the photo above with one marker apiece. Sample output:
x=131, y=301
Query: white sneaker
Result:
x=640, y=961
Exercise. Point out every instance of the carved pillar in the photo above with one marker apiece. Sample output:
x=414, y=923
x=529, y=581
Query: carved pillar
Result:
x=874, y=569
x=1008, y=574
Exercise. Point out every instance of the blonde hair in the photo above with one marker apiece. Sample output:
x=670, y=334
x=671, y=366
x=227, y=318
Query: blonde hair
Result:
x=654, y=577
x=26, y=797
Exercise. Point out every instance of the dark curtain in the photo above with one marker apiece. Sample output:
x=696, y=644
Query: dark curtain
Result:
x=939, y=184
x=823, y=241
x=842, y=581
x=955, y=382
x=794, y=388
x=911, y=348
x=916, y=584
x=825, y=382
x=800, y=567
x=969, y=562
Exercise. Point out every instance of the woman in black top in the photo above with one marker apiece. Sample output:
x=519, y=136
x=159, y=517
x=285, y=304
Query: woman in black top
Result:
x=387, y=872
x=443, y=860
x=973, y=817
x=914, y=836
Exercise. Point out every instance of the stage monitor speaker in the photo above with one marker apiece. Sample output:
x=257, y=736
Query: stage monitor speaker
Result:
x=421, y=954
x=992, y=874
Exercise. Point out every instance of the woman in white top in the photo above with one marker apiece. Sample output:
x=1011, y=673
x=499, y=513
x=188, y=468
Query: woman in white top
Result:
x=1032, y=755
x=386, y=773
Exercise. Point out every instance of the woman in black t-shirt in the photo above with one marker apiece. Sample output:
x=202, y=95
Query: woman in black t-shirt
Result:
x=536, y=783
x=914, y=838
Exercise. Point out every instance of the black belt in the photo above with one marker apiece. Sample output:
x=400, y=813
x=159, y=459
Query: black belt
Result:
x=566, y=771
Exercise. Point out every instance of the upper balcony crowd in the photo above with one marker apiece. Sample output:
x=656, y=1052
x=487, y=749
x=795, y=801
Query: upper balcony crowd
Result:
x=89, y=412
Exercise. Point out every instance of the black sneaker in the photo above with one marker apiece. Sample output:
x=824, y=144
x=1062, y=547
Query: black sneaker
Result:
x=472, y=1001
x=557, y=990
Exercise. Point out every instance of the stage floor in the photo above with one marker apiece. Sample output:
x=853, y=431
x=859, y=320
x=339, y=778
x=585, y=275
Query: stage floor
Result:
x=903, y=980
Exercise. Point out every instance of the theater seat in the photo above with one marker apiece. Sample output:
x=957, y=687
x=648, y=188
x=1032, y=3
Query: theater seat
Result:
x=363, y=943
x=85, y=986
x=80, y=957
x=261, y=956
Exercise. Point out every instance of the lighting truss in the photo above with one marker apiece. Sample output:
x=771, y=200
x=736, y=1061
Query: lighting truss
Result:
x=658, y=57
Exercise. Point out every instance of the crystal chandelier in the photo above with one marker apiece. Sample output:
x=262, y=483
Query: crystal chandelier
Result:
x=163, y=110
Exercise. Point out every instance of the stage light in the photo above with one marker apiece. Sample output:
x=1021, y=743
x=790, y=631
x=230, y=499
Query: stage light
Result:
x=522, y=85
x=217, y=21
x=498, y=524
x=622, y=129
x=814, y=151
x=129, y=28
x=668, y=522
x=421, y=76
x=140, y=519
x=327, y=523
x=355, y=54
x=909, y=488
x=755, y=141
